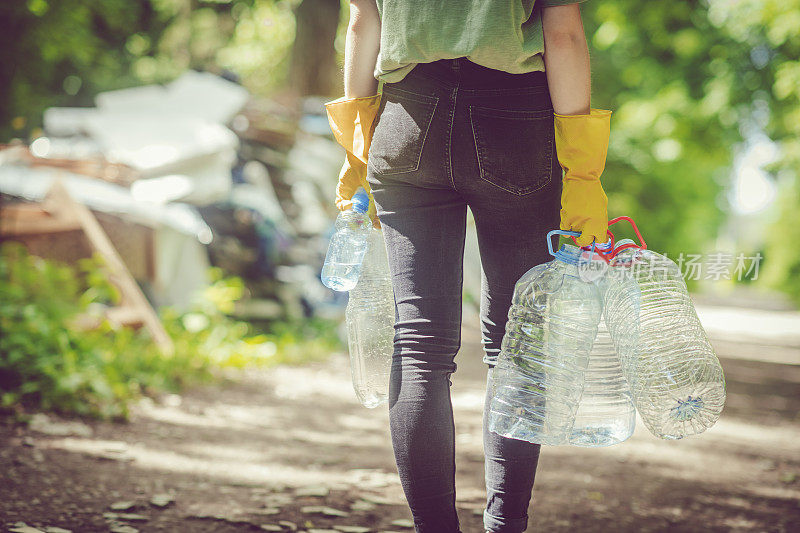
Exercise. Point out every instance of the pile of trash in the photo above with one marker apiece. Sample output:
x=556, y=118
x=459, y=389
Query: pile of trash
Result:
x=192, y=174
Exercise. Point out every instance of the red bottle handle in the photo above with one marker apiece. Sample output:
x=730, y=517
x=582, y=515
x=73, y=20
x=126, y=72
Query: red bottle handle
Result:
x=641, y=246
x=613, y=251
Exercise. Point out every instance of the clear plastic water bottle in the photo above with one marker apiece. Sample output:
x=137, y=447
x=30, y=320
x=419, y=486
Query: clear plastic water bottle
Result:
x=674, y=376
x=539, y=377
x=606, y=414
x=370, y=325
x=348, y=245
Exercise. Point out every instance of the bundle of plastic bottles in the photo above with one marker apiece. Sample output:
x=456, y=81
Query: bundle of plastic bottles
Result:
x=587, y=347
x=356, y=262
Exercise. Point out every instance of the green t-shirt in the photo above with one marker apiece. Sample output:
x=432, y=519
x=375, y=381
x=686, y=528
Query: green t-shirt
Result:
x=499, y=34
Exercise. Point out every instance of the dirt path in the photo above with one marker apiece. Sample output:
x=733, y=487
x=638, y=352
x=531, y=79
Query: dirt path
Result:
x=290, y=448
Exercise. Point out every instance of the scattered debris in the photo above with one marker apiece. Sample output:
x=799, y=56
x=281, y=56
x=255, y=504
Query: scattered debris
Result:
x=268, y=511
x=211, y=176
x=42, y=423
x=318, y=491
x=229, y=518
x=122, y=506
x=147, y=237
x=370, y=498
x=766, y=464
x=122, y=528
x=277, y=499
x=22, y=527
x=133, y=517
x=321, y=509
x=162, y=500
x=362, y=505
x=253, y=178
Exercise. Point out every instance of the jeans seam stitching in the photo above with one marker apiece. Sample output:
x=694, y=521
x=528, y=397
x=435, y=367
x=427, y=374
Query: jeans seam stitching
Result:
x=505, y=92
x=512, y=114
x=422, y=98
x=453, y=100
x=429, y=120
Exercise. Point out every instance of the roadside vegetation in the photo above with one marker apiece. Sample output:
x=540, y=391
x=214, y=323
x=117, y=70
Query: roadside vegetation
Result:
x=58, y=352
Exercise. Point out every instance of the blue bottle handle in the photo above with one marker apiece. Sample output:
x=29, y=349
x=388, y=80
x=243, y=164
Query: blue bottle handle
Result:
x=559, y=232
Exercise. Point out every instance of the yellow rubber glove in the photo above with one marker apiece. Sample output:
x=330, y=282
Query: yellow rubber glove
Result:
x=352, y=121
x=581, y=146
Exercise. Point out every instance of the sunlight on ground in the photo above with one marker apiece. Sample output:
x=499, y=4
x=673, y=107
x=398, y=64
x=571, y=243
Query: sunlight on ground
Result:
x=212, y=418
x=751, y=325
x=295, y=427
x=231, y=464
x=468, y=401
x=283, y=457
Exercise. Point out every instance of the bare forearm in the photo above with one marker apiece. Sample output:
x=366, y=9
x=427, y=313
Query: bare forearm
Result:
x=361, y=49
x=566, y=60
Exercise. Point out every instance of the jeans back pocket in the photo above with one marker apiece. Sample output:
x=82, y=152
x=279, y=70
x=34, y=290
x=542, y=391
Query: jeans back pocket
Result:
x=514, y=147
x=400, y=132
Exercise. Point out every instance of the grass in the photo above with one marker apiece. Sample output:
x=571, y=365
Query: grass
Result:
x=51, y=359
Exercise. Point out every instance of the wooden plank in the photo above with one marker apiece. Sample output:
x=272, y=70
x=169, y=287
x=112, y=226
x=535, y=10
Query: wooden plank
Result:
x=124, y=316
x=33, y=219
x=119, y=275
x=118, y=316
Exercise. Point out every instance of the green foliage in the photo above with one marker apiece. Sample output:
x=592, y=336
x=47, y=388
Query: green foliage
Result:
x=769, y=31
x=683, y=79
x=686, y=80
x=782, y=265
x=57, y=352
x=62, y=53
x=260, y=44
x=666, y=74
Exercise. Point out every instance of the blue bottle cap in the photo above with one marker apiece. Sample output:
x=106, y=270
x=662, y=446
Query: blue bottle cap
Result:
x=360, y=201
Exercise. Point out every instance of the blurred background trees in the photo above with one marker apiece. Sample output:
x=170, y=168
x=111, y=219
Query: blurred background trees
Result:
x=706, y=124
x=705, y=135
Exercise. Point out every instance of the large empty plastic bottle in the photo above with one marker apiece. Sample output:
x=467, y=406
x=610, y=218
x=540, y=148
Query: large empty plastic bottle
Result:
x=674, y=376
x=348, y=245
x=539, y=377
x=606, y=414
x=370, y=325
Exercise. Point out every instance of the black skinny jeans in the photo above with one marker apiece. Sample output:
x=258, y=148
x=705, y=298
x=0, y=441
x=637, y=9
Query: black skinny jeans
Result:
x=454, y=134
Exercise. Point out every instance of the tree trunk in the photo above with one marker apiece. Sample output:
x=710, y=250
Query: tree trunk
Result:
x=313, y=69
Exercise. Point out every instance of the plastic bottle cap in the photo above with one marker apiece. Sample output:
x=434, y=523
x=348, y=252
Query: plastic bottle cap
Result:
x=360, y=201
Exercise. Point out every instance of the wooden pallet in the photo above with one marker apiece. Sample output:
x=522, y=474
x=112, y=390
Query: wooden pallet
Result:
x=59, y=213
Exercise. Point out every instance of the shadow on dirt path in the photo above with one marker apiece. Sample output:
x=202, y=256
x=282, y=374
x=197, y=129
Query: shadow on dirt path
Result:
x=290, y=448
